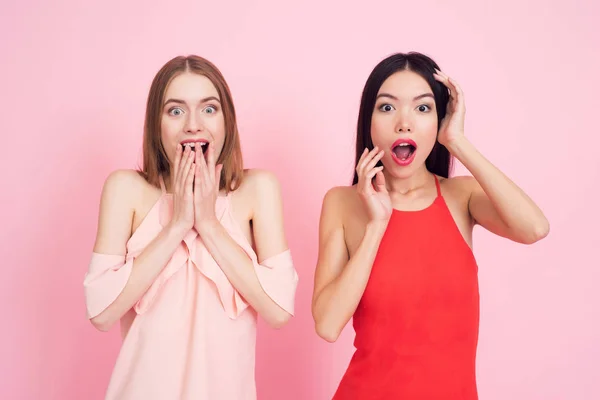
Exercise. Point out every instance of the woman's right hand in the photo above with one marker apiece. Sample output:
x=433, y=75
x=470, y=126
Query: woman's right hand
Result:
x=182, y=187
x=375, y=198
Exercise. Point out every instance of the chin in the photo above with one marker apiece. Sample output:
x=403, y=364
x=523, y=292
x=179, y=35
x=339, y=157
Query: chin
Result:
x=403, y=172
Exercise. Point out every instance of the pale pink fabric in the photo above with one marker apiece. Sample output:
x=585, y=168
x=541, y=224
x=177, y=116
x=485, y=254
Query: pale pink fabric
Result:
x=192, y=335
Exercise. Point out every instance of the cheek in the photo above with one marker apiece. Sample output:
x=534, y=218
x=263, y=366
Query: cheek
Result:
x=218, y=130
x=169, y=130
x=428, y=133
x=426, y=123
x=216, y=127
x=168, y=136
x=379, y=131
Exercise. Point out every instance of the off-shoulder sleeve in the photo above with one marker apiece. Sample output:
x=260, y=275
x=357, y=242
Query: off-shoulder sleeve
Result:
x=277, y=276
x=105, y=279
x=279, y=279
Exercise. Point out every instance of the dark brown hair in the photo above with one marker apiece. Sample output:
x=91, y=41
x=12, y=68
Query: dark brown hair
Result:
x=439, y=160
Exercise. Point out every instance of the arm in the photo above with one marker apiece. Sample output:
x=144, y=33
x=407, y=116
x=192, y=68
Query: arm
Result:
x=340, y=281
x=269, y=236
x=497, y=203
x=114, y=284
x=114, y=229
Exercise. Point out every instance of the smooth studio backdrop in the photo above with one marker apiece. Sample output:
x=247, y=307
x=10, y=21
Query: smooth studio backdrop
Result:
x=74, y=78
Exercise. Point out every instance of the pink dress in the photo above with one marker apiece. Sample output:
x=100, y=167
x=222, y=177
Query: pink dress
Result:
x=191, y=335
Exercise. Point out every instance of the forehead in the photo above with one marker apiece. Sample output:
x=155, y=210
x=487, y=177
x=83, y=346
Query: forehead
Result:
x=405, y=84
x=190, y=86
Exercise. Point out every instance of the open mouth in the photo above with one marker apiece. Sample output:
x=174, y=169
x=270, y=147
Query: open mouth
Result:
x=202, y=145
x=404, y=151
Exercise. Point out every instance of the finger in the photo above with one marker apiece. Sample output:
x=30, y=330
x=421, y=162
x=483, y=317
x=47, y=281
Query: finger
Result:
x=207, y=182
x=364, y=153
x=371, y=174
x=380, y=182
x=189, y=179
x=205, y=179
x=180, y=166
x=453, y=84
x=181, y=183
x=178, y=152
x=203, y=166
x=185, y=173
x=182, y=171
x=441, y=77
x=457, y=90
x=374, y=161
x=367, y=159
x=362, y=157
x=211, y=160
x=442, y=74
x=454, y=87
x=198, y=176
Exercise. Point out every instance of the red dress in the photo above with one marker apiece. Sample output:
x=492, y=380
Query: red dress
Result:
x=418, y=320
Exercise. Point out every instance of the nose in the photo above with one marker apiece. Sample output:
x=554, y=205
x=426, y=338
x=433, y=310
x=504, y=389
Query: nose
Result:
x=193, y=124
x=403, y=126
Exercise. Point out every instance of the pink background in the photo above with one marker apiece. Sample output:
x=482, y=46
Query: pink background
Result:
x=74, y=81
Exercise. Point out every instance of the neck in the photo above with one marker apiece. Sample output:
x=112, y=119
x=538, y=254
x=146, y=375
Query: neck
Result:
x=403, y=186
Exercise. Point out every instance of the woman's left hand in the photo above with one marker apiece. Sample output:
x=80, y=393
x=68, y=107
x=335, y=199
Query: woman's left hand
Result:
x=206, y=188
x=452, y=128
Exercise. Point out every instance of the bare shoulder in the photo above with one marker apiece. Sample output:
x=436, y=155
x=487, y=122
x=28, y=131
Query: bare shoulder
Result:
x=341, y=196
x=260, y=189
x=458, y=186
x=259, y=184
x=264, y=208
x=125, y=177
x=260, y=181
x=342, y=201
x=122, y=193
x=127, y=191
x=124, y=186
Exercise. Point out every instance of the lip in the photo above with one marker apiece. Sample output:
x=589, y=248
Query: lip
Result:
x=403, y=163
x=400, y=141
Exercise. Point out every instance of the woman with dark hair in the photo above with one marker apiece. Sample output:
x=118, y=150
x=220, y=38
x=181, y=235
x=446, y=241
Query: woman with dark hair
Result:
x=190, y=249
x=395, y=248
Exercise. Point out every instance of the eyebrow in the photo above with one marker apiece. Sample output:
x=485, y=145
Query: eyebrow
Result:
x=419, y=97
x=204, y=100
x=423, y=96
